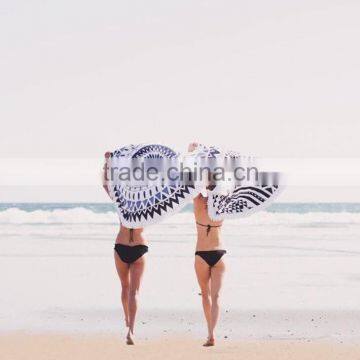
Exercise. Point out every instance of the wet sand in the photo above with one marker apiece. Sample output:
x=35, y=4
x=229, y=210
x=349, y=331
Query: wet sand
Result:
x=20, y=346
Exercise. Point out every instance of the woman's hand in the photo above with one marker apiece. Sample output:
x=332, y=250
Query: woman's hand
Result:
x=193, y=146
x=105, y=179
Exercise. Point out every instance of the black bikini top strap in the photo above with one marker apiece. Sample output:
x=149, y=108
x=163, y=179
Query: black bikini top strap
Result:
x=208, y=227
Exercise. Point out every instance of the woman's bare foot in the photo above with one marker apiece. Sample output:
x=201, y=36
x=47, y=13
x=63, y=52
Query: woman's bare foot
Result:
x=129, y=339
x=209, y=342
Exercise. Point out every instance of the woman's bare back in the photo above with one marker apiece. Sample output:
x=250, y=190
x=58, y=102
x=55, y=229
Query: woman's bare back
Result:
x=208, y=231
x=130, y=237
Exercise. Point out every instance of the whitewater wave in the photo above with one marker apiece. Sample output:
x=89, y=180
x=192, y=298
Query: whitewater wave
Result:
x=85, y=216
x=69, y=216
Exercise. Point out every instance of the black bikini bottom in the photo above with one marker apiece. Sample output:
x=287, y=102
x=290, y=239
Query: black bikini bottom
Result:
x=129, y=254
x=211, y=257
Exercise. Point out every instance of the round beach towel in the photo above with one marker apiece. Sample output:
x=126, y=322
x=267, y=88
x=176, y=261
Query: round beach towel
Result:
x=232, y=196
x=142, y=201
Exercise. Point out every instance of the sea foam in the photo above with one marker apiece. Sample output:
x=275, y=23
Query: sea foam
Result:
x=81, y=215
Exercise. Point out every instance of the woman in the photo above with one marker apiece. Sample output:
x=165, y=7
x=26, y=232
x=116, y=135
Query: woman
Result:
x=209, y=263
x=129, y=250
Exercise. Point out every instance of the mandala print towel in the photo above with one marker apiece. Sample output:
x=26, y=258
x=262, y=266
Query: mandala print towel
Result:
x=239, y=200
x=145, y=204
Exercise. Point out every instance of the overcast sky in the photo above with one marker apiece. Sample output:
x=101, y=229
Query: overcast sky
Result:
x=268, y=78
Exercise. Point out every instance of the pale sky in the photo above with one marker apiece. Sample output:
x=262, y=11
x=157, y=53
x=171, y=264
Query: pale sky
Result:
x=272, y=78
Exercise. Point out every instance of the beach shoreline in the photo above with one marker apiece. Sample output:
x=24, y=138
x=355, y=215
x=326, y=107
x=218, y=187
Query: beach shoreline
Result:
x=20, y=346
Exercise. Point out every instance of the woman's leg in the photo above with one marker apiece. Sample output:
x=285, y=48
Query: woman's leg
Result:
x=217, y=274
x=202, y=270
x=136, y=273
x=122, y=269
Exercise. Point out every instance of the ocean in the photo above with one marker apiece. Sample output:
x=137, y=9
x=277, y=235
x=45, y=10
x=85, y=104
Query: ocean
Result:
x=105, y=213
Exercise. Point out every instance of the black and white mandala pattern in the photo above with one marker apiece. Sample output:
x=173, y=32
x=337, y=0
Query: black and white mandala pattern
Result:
x=242, y=201
x=239, y=200
x=139, y=206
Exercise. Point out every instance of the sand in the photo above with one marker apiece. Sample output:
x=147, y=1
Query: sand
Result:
x=90, y=347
